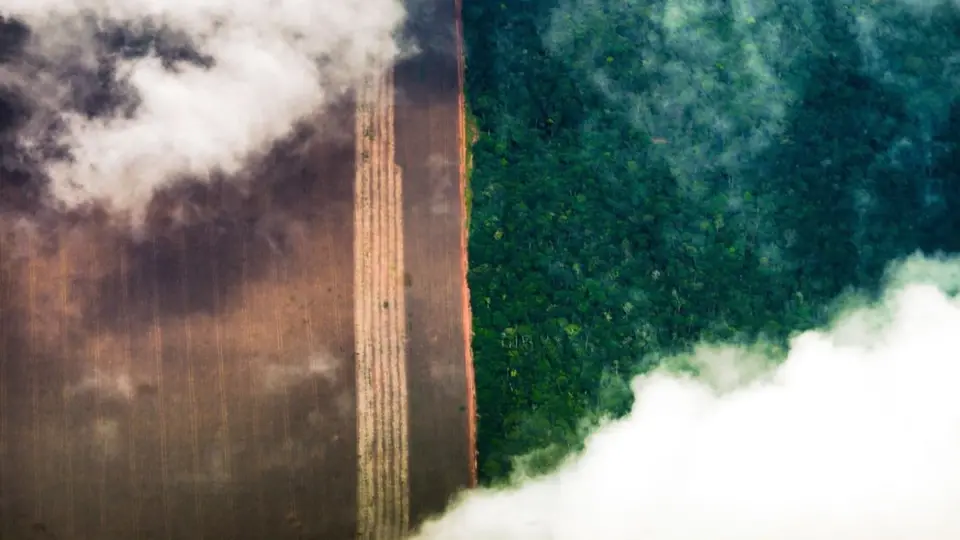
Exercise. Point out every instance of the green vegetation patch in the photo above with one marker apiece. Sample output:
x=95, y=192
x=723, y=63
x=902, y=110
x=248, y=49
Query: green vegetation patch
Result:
x=653, y=175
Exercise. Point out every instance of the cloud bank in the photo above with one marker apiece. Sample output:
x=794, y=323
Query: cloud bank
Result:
x=853, y=435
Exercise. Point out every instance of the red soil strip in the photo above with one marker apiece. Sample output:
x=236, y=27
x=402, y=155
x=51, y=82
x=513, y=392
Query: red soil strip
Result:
x=464, y=233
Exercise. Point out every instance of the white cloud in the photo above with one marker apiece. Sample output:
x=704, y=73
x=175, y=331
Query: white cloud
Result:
x=274, y=63
x=854, y=436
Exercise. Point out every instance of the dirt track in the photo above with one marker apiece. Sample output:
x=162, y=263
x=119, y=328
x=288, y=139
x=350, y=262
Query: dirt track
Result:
x=289, y=362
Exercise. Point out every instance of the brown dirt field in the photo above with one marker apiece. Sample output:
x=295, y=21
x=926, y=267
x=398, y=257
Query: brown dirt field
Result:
x=289, y=361
x=429, y=146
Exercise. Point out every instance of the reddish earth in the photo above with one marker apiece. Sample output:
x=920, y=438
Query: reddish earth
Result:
x=287, y=362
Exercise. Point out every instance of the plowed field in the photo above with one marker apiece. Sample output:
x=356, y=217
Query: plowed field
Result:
x=288, y=361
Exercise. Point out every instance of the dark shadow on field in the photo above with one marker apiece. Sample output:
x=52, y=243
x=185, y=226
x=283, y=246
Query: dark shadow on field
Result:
x=429, y=32
x=250, y=221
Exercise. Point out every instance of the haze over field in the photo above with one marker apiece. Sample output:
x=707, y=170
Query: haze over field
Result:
x=115, y=99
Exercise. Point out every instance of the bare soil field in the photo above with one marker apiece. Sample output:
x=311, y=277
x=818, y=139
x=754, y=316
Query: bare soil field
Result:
x=288, y=361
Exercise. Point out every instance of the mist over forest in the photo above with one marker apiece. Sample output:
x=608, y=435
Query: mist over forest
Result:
x=713, y=269
x=653, y=174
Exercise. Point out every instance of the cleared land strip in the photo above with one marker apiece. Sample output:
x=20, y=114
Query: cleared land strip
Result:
x=465, y=231
x=383, y=486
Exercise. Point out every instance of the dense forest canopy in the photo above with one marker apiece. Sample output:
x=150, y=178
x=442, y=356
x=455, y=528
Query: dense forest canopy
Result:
x=653, y=174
